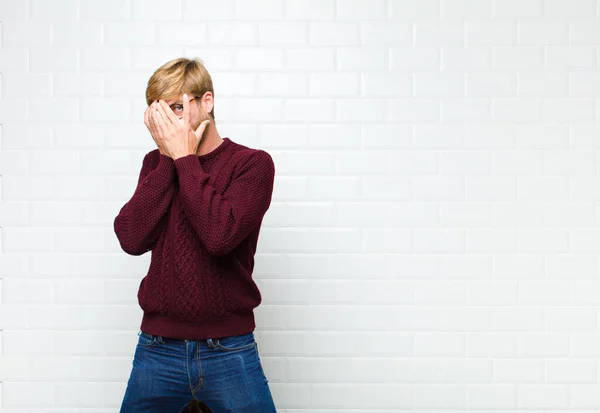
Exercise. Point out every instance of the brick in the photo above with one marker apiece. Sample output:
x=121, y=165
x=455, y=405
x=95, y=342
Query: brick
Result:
x=552, y=84
x=435, y=85
x=363, y=58
x=157, y=10
x=55, y=59
x=414, y=110
x=361, y=10
x=556, y=9
x=77, y=34
x=466, y=58
x=78, y=85
x=258, y=59
x=441, y=137
x=465, y=110
x=440, y=34
x=108, y=10
x=264, y=109
x=525, y=58
x=271, y=84
x=414, y=10
x=541, y=33
x=422, y=58
x=386, y=34
x=238, y=34
x=309, y=59
x=129, y=34
x=14, y=58
x=56, y=11
x=336, y=84
x=260, y=10
x=466, y=9
x=396, y=85
x=491, y=33
x=491, y=85
x=105, y=109
x=18, y=85
x=10, y=10
x=302, y=110
x=310, y=9
x=333, y=34
x=106, y=58
x=208, y=10
x=54, y=110
x=571, y=58
x=25, y=34
x=517, y=9
x=583, y=32
x=288, y=33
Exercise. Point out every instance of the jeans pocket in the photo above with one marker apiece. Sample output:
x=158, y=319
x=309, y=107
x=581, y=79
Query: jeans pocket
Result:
x=236, y=343
x=146, y=340
x=260, y=367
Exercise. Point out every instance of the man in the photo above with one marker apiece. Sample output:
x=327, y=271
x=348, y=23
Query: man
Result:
x=198, y=206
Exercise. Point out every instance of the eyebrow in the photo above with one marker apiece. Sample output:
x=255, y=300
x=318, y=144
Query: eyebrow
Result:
x=179, y=102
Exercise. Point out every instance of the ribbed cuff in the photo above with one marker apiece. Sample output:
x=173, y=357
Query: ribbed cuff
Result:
x=166, y=166
x=188, y=164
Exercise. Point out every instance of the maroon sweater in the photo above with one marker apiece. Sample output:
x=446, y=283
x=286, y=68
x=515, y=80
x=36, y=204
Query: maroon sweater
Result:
x=200, y=216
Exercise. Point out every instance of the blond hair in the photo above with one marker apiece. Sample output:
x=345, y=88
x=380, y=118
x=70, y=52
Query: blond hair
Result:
x=179, y=76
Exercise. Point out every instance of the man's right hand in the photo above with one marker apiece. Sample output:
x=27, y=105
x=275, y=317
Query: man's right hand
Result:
x=152, y=128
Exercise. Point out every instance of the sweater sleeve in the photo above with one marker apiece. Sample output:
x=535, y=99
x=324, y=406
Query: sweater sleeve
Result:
x=222, y=221
x=138, y=224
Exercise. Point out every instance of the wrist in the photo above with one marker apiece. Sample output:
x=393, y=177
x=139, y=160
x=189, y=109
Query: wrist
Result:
x=180, y=155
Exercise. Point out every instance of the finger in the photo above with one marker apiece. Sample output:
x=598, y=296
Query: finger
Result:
x=186, y=111
x=166, y=112
x=201, y=128
x=159, y=122
x=152, y=121
x=160, y=112
x=147, y=118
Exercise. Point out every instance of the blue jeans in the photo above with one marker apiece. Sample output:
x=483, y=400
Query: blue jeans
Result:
x=224, y=373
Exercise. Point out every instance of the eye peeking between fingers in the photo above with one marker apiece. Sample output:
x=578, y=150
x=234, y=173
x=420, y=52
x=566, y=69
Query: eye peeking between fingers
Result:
x=177, y=109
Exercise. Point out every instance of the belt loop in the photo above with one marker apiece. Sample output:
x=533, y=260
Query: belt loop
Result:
x=211, y=343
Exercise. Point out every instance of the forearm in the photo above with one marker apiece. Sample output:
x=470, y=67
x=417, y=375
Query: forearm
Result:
x=140, y=221
x=221, y=221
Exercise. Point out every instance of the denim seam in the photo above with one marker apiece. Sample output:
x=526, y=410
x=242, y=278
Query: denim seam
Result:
x=187, y=365
x=200, y=378
x=150, y=337
x=246, y=347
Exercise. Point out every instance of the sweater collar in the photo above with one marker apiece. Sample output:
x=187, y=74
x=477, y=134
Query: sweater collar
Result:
x=216, y=151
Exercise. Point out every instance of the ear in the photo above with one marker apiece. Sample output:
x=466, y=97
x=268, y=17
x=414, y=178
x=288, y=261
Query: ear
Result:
x=207, y=102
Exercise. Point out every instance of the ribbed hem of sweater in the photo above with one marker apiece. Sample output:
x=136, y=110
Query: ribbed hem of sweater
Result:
x=235, y=325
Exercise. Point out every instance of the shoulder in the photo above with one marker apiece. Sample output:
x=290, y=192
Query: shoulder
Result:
x=151, y=159
x=245, y=157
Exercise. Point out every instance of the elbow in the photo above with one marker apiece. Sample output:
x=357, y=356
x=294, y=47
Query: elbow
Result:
x=218, y=250
x=128, y=245
x=226, y=241
x=219, y=246
x=133, y=249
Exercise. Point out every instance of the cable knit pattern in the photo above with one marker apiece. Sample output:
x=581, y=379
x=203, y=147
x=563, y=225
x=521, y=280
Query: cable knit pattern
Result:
x=201, y=217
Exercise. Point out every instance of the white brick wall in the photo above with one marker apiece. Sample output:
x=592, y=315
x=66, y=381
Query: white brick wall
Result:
x=432, y=243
